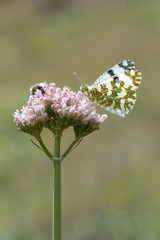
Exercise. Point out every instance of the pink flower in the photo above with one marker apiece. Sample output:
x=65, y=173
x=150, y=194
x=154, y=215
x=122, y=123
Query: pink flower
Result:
x=56, y=108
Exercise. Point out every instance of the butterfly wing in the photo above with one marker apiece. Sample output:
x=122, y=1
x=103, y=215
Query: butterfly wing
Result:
x=115, y=90
x=116, y=69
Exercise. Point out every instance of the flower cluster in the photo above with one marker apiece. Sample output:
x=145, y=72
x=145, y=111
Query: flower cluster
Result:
x=57, y=109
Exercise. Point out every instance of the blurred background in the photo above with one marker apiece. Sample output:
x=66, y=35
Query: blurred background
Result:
x=110, y=182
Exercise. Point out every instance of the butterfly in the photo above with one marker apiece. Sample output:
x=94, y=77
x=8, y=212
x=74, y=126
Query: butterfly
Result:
x=115, y=89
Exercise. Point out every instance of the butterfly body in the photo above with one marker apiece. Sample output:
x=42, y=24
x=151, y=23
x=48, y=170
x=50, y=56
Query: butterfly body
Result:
x=115, y=90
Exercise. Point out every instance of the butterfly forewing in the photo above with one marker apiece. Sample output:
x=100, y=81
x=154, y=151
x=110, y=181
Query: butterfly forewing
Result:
x=116, y=70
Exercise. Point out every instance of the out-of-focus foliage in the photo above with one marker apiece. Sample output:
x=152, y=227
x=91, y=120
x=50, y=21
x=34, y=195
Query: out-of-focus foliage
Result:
x=111, y=180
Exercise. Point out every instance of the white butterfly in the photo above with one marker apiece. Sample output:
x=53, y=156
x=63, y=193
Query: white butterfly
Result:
x=115, y=90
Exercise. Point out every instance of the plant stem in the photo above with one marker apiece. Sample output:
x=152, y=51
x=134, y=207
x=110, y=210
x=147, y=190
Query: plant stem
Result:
x=45, y=149
x=69, y=148
x=56, y=233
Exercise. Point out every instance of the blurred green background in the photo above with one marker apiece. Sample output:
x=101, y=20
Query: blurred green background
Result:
x=111, y=181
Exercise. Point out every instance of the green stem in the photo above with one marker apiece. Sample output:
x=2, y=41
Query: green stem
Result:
x=45, y=149
x=56, y=234
x=69, y=148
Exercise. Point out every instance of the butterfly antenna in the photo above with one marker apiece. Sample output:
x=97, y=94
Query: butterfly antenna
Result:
x=75, y=75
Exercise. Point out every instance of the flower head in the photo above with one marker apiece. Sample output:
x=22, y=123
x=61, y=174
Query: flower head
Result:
x=57, y=109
